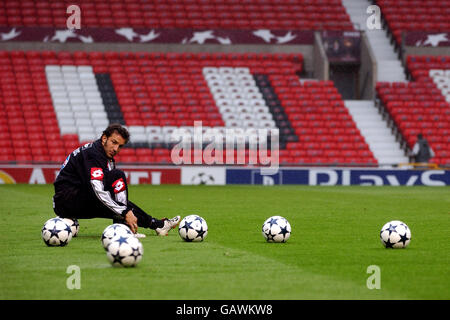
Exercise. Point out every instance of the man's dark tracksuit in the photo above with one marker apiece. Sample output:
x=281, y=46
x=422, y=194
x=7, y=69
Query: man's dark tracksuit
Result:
x=88, y=185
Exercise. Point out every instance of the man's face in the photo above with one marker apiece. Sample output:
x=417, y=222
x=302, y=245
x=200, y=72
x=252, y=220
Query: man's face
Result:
x=112, y=144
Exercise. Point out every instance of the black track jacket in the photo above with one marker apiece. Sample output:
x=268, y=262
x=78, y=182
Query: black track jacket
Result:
x=85, y=169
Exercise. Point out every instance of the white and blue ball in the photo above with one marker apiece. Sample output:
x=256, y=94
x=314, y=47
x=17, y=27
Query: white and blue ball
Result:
x=193, y=228
x=276, y=229
x=56, y=233
x=116, y=229
x=395, y=234
x=73, y=224
x=124, y=251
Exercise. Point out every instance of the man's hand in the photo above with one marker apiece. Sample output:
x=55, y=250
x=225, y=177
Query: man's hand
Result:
x=131, y=221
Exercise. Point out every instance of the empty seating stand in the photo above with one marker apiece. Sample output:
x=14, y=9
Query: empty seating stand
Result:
x=416, y=15
x=195, y=14
x=422, y=106
x=65, y=99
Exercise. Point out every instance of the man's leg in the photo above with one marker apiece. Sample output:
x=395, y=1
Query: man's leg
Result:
x=80, y=205
x=145, y=220
x=116, y=184
x=161, y=227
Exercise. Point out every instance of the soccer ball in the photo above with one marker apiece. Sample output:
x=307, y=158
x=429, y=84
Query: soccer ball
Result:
x=202, y=178
x=73, y=224
x=193, y=228
x=114, y=230
x=276, y=229
x=395, y=234
x=56, y=233
x=124, y=251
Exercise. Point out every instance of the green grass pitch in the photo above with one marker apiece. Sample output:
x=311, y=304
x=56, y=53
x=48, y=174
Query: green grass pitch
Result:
x=335, y=238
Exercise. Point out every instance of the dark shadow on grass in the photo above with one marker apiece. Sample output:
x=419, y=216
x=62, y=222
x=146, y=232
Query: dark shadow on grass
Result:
x=265, y=243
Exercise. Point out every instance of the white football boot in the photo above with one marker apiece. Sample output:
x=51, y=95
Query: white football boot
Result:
x=169, y=224
x=139, y=235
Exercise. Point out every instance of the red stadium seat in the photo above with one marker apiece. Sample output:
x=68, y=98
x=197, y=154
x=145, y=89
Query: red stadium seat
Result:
x=174, y=92
x=420, y=113
x=197, y=16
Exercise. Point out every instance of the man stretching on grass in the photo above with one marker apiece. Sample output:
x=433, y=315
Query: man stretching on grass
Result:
x=89, y=186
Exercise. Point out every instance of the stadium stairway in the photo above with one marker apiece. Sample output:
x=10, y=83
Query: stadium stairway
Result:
x=389, y=66
x=376, y=132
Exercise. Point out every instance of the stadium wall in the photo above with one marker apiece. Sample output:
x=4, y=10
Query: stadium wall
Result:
x=424, y=43
x=28, y=38
x=305, y=50
x=368, y=72
x=320, y=59
x=212, y=175
x=424, y=51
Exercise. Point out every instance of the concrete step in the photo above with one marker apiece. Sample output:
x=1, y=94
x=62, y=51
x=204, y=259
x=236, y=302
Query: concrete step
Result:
x=385, y=55
x=396, y=78
x=379, y=42
x=390, y=63
x=375, y=131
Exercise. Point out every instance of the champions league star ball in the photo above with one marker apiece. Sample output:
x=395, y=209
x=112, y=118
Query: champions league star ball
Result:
x=124, y=251
x=193, y=228
x=276, y=229
x=113, y=230
x=73, y=224
x=395, y=234
x=202, y=178
x=56, y=233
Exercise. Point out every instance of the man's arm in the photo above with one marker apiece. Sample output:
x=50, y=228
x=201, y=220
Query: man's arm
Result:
x=415, y=150
x=432, y=154
x=131, y=221
x=97, y=184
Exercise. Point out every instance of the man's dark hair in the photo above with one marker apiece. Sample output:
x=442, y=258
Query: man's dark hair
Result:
x=419, y=136
x=117, y=127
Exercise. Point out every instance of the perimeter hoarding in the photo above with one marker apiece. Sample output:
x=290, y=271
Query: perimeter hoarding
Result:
x=193, y=175
x=340, y=176
x=47, y=174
